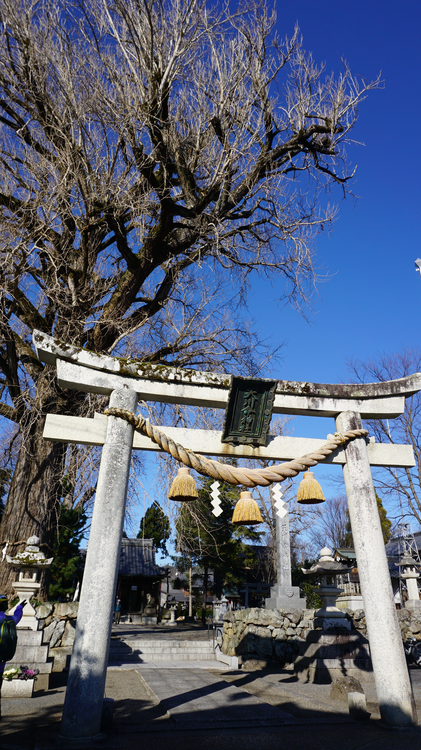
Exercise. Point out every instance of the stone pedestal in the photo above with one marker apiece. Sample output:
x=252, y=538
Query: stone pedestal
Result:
x=413, y=604
x=32, y=653
x=325, y=656
x=350, y=601
x=410, y=575
x=283, y=597
x=17, y=688
x=149, y=619
x=25, y=588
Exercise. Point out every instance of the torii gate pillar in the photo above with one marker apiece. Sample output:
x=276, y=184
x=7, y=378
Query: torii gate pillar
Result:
x=393, y=687
x=88, y=667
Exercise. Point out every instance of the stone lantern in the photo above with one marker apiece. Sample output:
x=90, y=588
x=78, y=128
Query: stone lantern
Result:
x=28, y=563
x=325, y=570
x=410, y=575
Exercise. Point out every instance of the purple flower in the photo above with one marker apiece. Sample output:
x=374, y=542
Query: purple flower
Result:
x=28, y=674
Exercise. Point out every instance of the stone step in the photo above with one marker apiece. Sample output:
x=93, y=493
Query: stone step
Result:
x=28, y=637
x=143, y=650
x=167, y=641
x=161, y=647
x=165, y=645
x=171, y=651
x=147, y=658
x=25, y=654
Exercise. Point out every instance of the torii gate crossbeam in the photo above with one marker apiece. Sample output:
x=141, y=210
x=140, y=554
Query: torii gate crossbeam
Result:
x=126, y=382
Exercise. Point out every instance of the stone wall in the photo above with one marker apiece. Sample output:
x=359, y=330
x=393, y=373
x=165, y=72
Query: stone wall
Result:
x=58, y=621
x=264, y=636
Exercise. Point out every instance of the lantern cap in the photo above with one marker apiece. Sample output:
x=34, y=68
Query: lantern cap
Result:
x=326, y=565
x=246, y=511
x=309, y=490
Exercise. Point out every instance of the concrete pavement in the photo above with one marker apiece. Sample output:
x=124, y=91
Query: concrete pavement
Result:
x=186, y=705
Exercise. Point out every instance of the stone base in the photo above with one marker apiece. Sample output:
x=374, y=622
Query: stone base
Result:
x=33, y=653
x=413, y=604
x=332, y=623
x=284, y=597
x=140, y=619
x=149, y=620
x=350, y=601
x=61, y=656
x=17, y=688
x=42, y=683
x=328, y=655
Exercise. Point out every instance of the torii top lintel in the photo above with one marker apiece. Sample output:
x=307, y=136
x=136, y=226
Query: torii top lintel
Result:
x=49, y=350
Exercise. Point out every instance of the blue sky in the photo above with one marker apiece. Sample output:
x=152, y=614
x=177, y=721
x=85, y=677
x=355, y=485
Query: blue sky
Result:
x=371, y=303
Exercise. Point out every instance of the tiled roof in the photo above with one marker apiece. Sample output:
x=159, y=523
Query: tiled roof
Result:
x=137, y=558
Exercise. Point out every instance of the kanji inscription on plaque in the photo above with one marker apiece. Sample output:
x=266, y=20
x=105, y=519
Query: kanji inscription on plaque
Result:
x=249, y=411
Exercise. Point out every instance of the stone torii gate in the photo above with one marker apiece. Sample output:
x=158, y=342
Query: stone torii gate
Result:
x=127, y=381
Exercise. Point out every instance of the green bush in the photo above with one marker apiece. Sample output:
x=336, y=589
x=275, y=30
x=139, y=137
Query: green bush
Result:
x=313, y=599
x=208, y=612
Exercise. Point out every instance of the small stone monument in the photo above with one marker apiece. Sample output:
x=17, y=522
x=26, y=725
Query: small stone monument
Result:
x=220, y=607
x=283, y=594
x=410, y=575
x=326, y=569
x=28, y=563
x=149, y=615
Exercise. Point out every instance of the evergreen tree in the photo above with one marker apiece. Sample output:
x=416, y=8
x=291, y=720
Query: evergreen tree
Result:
x=213, y=542
x=385, y=523
x=69, y=532
x=155, y=525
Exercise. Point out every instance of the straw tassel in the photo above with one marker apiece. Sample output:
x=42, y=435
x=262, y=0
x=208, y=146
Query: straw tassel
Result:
x=246, y=511
x=309, y=490
x=183, y=488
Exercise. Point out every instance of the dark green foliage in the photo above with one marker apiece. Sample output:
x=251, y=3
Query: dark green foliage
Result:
x=68, y=534
x=213, y=542
x=155, y=525
x=385, y=523
x=307, y=587
x=309, y=591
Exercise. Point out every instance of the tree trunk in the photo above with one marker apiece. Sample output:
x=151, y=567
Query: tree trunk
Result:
x=33, y=498
x=37, y=483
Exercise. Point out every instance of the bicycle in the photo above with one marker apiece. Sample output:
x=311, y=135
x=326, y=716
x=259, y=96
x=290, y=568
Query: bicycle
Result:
x=412, y=649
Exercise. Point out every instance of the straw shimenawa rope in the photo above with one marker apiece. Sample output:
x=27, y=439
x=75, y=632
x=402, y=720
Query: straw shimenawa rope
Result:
x=232, y=474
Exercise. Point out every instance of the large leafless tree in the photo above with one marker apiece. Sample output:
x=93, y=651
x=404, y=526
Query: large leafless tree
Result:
x=150, y=152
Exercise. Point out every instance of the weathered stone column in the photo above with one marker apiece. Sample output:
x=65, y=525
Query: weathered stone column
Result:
x=88, y=666
x=284, y=595
x=393, y=687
